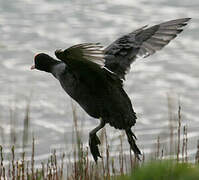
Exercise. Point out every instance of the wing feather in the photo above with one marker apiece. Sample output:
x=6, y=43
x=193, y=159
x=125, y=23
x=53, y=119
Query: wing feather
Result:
x=140, y=43
x=86, y=52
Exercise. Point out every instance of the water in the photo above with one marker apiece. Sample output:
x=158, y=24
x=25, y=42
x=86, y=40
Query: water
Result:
x=28, y=27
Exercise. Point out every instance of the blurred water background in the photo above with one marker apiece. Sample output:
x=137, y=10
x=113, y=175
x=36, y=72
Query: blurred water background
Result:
x=28, y=27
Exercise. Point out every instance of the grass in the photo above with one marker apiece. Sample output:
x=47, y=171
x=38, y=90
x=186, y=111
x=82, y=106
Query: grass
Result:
x=80, y=165
x=164, y=170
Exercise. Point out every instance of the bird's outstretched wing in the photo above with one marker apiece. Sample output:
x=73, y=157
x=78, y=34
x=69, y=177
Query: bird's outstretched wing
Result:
x=140, y=43
x=82, y=53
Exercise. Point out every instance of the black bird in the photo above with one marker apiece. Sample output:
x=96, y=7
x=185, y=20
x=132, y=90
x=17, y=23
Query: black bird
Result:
x=94, y=76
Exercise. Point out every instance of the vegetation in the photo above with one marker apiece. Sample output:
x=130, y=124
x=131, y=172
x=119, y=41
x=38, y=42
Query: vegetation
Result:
x=164, y=170
x=80, y=166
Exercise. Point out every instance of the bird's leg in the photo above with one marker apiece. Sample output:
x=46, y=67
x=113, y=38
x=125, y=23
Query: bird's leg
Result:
x=94, y=140
x=131, y=139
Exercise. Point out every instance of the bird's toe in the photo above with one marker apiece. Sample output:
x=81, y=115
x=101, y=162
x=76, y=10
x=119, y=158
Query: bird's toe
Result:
x=93, y=143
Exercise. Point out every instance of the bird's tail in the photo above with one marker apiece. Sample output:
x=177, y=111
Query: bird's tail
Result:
x=131, y=139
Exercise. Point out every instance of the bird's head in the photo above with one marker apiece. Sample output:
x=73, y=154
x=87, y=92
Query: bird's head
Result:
x=43, y=62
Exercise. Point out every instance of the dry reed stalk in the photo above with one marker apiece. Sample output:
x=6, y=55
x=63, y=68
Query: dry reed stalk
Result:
x=183, y=145
x=43, y=170
x=86, y=174
x=104, y=140
x=91, y=173
x=47, y=169
x=13, y=137
x=26, y=125
x=186, y=145
x=158, y=148
x=121, y=160
x=4, y=173
x=125, y=164
x=23, y=166
x=170, y=115
x=162, y=154
x=1, y=154
x=2, y=135
x=62, y=165
x=113, y=167
x=49, y=174
x=143, y=157
x=27, y=170
x=37, y=174
x=103, y=167
x=197, y=154
x=55, y=168
x=179, y=127
x=32, y=159
x=107, y=157
x=17, y=170
x=13, y=163
x=9, y=171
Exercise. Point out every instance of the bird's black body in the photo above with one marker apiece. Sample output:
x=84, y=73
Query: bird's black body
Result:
x=100, y=93
x=99, y=89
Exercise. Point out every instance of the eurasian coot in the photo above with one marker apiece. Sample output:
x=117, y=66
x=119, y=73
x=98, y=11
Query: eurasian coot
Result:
x=94, y=76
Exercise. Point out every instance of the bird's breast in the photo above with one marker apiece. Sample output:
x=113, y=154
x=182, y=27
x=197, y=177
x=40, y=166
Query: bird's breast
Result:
x=58, y=70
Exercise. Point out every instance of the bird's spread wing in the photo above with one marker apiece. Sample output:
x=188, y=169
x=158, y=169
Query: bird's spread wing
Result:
x=86, y=52
x=140, y=43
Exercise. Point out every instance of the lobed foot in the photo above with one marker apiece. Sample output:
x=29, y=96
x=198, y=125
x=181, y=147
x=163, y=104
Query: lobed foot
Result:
x=93, y=143
x=131, y=139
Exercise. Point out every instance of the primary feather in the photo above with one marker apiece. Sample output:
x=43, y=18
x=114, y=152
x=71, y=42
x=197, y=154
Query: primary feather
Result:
x=140, y=43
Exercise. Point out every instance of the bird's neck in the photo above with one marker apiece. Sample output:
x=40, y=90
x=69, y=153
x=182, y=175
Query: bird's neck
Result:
x=58, y=69
x=49, y=68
